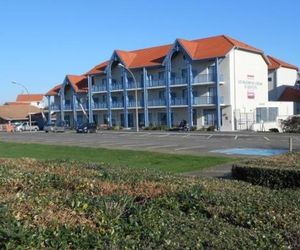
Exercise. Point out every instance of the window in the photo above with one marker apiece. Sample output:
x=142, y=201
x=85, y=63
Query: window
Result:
x=96, y=100
x=130, y=98
x=273, y=113
x=173, y=75
x=104, y=81
x=270, y=79
x=211, y=91
x=130, y=80
x=261, y=115
x=162, y=119
x=161, y=94
x=114, y=81
x=161, y=75
x=195, y=72
x=184, y=73
x=114, y=99
x=211, y=69
x=209, y=117
x=104, y=98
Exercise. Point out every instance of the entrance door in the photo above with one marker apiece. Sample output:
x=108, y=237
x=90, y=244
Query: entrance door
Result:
x=209, y=117
x=195, y=117
x=130, y=120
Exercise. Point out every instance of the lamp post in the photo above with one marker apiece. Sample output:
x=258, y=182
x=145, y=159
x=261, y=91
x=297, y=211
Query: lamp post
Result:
x=24, y=87
x=136, y=96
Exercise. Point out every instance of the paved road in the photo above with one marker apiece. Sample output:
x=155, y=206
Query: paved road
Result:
x=177, y=143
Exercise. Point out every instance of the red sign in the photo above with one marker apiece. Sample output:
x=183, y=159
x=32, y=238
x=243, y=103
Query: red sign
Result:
x=251, y=95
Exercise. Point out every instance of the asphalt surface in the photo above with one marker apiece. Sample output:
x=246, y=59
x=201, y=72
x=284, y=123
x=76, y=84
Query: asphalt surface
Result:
x=195, y=143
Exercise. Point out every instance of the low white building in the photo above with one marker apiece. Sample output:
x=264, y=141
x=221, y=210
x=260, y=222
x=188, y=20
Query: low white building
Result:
x=216, y=81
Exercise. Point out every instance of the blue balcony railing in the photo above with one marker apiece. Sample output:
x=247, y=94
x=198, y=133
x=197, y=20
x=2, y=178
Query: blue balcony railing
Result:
x=98, y=88
x=200, y=100
x=55, y=107
x=156, y=83
x=117, y=105
x=204, y=78
x=157, y=102
x=178, y=80
x=68, y=107
x=100, y=105
x=178, y=101
x=117, y=86
x=131, y=85
x=132, y=104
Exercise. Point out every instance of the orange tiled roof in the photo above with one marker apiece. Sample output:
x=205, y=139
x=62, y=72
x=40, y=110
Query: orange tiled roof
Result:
x=17, y=112
x=54, y=91
x=204, y=48
x=276, y=63
x=98, y=69
x=79, y=83
x=30, y=98
x=290, y=94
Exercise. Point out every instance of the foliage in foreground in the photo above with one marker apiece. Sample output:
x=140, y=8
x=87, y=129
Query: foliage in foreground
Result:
x=292, y=124
x=61, y=204
x=277, y=172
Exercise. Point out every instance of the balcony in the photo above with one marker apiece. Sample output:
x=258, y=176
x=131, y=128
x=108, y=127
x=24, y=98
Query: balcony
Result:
x=178, y=81
x=204, y=100
x=207, y=78
x=68, y=107
x=84, y=105
x=98, y=88
x=157, y=102
x=100, y=105
x=132, y=104
x=131, y=85
x=117, y=86
x=156, y=83
x=55, y=107
x=117, y=105
x=178, y=101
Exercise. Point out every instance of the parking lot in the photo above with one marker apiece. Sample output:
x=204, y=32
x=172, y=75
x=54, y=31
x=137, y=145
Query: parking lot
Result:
x=170, y=142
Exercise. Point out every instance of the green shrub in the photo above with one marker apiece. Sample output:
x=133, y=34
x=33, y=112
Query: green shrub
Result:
x=291, y=125
x=266, y=176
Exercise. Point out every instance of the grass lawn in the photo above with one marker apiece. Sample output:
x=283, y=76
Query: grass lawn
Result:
x=126, y=158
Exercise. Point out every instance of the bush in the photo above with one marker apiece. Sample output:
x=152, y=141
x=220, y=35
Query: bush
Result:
x=291, y=125
x=75, y=205
x=211, y=128
x=274, y=130
x=269, y=177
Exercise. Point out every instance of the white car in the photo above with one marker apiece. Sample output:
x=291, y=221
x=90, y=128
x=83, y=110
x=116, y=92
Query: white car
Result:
x=26, y=127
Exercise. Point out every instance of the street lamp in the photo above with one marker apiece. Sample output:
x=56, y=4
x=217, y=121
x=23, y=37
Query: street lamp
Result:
x=24, y=87
x=136, y=96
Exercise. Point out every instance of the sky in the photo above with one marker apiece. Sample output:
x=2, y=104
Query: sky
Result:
x=42, y=41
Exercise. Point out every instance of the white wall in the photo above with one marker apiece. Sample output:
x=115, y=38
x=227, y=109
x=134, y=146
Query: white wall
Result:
x=248, y=83
x=286, y=76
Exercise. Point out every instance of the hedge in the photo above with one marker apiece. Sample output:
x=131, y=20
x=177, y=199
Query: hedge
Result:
x=74, y=205
x=266, y=176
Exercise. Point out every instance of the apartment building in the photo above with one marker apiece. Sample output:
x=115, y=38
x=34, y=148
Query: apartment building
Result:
x=216, y=81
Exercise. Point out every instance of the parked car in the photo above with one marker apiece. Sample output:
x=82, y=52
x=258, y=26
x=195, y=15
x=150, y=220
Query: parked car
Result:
x=87, y=128
x=25, y=126
x=56, y=128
